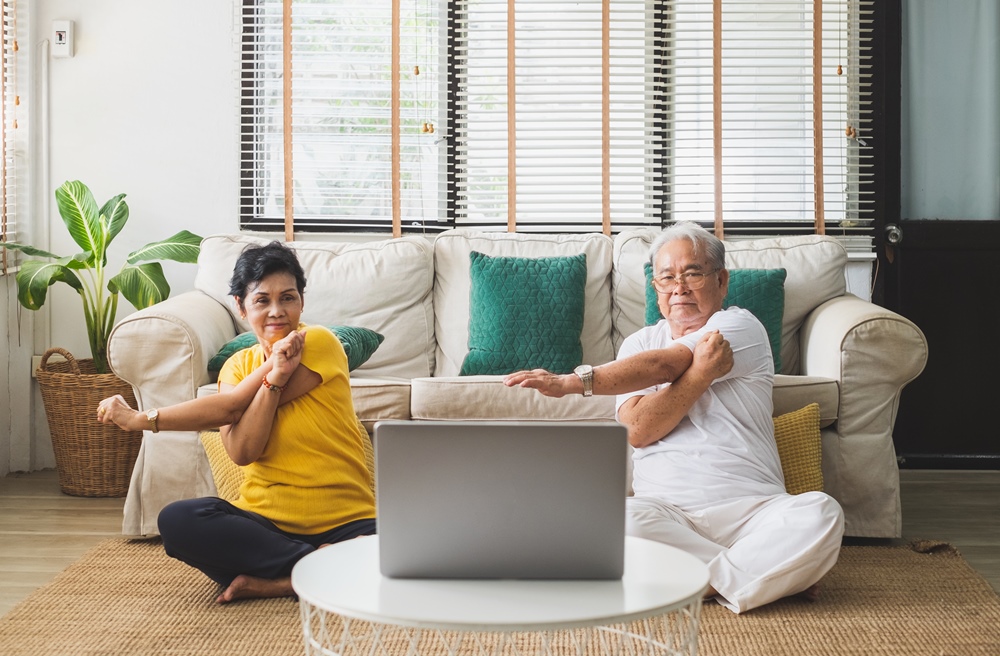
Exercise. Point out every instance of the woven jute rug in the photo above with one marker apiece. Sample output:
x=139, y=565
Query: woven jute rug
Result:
x=127, y=597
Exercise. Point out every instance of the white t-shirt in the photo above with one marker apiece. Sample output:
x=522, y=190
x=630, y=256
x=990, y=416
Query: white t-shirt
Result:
x=724, y=448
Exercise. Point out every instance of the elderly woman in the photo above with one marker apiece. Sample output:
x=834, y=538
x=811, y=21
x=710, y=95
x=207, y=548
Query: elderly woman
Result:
x=286, y=415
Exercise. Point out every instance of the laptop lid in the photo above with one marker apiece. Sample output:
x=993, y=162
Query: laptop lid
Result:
x=523, y=500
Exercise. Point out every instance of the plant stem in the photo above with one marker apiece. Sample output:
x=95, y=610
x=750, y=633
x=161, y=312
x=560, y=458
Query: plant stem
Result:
x=94, y=311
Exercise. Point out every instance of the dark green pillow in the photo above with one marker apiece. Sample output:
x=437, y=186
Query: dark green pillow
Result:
x=359, y=344
x=525, y=313
x=761, y=291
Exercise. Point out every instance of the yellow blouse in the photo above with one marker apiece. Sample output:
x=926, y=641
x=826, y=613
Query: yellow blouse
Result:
x=312, y=475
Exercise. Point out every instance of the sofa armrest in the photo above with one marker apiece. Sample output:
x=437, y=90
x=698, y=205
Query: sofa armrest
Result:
x=163, y=351
x=870, y=351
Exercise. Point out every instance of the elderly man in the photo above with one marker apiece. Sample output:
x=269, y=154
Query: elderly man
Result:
x=694, y=391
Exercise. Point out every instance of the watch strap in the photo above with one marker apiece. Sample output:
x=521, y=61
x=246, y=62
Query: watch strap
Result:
x=151, y=416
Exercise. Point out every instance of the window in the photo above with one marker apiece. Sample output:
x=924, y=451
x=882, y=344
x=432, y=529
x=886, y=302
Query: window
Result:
x=341, y=139
x=767, y=116
x=537, y=140
x=8, y=143
x=557, y=117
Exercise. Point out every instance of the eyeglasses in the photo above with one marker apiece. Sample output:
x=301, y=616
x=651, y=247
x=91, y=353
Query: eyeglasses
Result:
x=693, y=280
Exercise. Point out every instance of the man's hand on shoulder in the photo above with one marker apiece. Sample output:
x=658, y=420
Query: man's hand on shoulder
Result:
x=547, y=383
x=713, y=356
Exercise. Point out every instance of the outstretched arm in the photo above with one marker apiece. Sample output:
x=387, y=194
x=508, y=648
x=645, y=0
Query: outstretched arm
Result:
x=213, y=411
x=651, y=417
x=630, y=374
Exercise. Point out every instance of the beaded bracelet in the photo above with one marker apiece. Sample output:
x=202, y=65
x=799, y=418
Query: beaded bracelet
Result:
x=273, y=388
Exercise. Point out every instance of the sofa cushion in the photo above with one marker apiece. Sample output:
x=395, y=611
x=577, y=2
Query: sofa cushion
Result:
x=525, y=313
x=762, y=291
x=227, y=475
x=385, y=286
x=378, y=398
x=800, y=449
x=815, y=266
x=359, y=345
x=487, y=398
x=794, y=392
x=452, y=285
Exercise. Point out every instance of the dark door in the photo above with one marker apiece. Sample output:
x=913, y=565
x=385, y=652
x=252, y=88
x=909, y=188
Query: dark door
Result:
x=938, y=221
x=945, y=277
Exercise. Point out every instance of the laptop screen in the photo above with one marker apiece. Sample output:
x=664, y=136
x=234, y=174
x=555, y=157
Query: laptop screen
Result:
x=467, y=499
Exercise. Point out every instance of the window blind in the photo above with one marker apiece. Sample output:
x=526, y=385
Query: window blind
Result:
x=767, y=117
x=569, y=146
x=8, y=107
x=558, y=114
x=663, y=130
x=341, y=114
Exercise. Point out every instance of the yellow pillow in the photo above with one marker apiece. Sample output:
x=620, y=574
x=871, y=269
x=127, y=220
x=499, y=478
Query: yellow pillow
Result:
x=800, y=449
x=228, y=476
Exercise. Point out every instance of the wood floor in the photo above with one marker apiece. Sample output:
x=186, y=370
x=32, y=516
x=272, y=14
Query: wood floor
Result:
x=42, y=530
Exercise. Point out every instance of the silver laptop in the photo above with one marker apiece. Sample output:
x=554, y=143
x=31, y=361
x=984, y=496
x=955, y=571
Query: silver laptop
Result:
x=513, y=500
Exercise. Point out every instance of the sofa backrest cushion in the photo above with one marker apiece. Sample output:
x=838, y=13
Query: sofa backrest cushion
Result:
x=383, y=285
x=452, y=287
x=815, y=267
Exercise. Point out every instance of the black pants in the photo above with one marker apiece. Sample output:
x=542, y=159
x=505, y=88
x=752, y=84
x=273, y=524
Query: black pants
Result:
x=223, y=541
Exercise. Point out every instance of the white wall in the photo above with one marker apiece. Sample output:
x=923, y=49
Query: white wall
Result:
x=148, y=106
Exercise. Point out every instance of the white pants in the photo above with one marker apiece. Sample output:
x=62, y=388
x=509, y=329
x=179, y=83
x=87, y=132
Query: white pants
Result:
x=757, y=549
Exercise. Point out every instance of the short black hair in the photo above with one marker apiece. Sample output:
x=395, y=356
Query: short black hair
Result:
x=258, y=262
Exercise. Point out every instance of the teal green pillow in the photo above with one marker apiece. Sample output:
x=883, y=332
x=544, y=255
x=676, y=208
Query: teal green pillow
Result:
x=525, y=313
x=359, y=345
x=653, y=314
x=761, y=291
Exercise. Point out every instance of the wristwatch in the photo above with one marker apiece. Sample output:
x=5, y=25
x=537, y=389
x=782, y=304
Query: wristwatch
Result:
x=151, y=416
x=586, y=374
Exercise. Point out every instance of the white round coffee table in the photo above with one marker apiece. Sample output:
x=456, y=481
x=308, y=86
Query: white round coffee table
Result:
x=348, y=608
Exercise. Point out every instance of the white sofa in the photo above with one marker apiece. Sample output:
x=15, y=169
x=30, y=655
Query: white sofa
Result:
x=847, y=354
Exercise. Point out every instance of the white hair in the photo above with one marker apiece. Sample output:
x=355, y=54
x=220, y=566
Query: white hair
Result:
x=704, y=242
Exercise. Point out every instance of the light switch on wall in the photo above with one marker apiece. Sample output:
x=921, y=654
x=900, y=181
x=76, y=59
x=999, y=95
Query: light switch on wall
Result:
x=62, y=38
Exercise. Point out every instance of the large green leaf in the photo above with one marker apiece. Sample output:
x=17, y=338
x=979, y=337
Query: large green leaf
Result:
x=34, y=279
x=79, y=212
x=142, y=285
x=27, y=250
x=116, y=213
x=78, y=261
x=182, y=247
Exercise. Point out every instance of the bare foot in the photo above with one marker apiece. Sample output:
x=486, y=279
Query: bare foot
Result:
x=251, y=587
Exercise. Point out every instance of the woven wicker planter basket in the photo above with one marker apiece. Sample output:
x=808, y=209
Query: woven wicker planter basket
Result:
x=93, y=459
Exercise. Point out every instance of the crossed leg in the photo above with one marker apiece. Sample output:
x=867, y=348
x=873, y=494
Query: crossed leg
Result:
x=757, y=549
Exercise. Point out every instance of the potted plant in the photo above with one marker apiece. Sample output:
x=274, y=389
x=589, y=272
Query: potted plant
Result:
x=140, y=279
x=93, y=459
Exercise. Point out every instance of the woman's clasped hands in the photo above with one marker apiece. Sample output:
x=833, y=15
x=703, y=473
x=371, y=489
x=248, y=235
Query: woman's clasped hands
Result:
x=285, y=356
